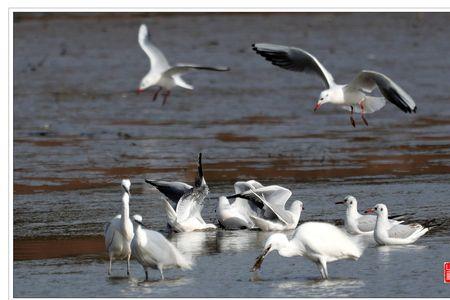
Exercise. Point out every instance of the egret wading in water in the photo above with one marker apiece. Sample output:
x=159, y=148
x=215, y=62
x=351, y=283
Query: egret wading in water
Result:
x=353, y=96
x=119, y=231
x=399, y=234
x=184, y=214
x=152, y=250
x=161, y=73
x=319, y=242
x=356, y=223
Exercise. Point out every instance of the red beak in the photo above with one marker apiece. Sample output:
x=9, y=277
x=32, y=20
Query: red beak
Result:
x=138, y=91
x=316, y=107
x=369, y=210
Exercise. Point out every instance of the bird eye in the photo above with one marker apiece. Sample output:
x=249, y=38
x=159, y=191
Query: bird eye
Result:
x=321, y=98
x=381, y=209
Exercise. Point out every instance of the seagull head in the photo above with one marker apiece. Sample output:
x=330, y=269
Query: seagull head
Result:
x=126, y=185
x=324, y=98
x=379, y=209
x=349, y=201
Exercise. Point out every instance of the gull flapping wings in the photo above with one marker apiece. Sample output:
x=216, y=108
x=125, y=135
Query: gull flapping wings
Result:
x=271, y=197
x=183, y=68
x=243, y=186
x=191, y=203
x=157, y=59
x=294, y=59
x=367, y=81
x=172, y=190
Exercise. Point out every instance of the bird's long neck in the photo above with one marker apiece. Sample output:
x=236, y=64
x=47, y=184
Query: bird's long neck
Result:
x=352, y=211
x=381, y=225
x=126, y=223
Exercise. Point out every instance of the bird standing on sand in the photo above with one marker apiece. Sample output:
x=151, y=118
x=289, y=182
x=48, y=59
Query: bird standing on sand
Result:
x=352, y=96
x=119, y=231
x=163, y=75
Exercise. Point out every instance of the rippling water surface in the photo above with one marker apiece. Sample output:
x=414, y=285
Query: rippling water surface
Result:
x=79, y=129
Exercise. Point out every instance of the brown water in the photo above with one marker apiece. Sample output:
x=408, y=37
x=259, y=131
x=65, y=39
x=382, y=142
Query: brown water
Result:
x=79, y=129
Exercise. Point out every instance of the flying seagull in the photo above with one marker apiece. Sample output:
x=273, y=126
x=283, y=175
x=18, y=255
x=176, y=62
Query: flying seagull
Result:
x=353, y=96
x=161, y=73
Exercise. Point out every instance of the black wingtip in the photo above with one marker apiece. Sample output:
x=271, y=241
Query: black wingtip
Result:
x=415, y=109
x=199, y=179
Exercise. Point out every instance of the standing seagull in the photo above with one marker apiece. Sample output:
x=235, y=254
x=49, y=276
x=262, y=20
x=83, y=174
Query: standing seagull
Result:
x=185, y=213
x=316, y=241
x=272, y=200
x=161, y=73
x=119, y=231
x=352, y=96
x=400, y=234
x=153, y=250
x=356, y=223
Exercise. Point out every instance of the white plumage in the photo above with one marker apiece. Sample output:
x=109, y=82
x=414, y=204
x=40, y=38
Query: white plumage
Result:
x=352, y=96
x=152, y=250
x=319, y=242
x=356, y=223
x=399, y=234
x=237, y=215
x=119, y=232
x=161, y=73
x=274, y=215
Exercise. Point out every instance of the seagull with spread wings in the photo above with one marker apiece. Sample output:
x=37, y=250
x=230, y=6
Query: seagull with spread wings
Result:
x=272, y=200
x=184, y=214
x=237, y=215
x=353, y=96
x=161, y=73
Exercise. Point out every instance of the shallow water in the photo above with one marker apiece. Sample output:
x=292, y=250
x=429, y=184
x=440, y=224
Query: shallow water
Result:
x=79, y=129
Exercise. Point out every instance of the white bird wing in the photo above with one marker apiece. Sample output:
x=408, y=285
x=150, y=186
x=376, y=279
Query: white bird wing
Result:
x=157, y=59
x=191, y=204
x=241, y=204
x=184, y=68
x=367, y=81
x=366, y=223
x=160, y=250
x=294, y=59
x=274, y=198
x=111, y=229
x=371, y=105
x=403, y=231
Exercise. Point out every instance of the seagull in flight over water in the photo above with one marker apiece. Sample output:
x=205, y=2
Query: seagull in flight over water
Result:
x=353, y=96
x=161, y=73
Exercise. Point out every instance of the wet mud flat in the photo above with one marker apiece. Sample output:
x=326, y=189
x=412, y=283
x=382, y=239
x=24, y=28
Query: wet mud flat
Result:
x=79, y=129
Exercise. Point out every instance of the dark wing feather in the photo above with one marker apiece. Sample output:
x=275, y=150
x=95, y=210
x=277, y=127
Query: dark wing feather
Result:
x=294, y=59
x=368, y=80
